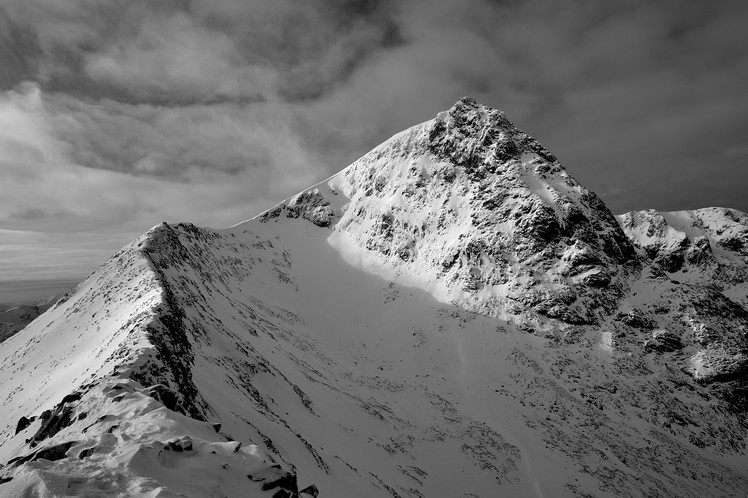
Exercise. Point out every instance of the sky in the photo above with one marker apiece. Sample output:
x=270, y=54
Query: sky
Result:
x=116, y=115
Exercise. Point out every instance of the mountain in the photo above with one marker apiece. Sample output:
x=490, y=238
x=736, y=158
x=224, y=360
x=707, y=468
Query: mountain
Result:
x=451, y=315
x=14, y=317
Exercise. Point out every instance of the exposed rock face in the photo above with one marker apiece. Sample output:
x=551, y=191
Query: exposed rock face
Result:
x=309, y=205
x=663, y=341
x=120, y=444
x=634, y=318
x=710, y=242
x=702, y=252
x=172, y=363
x=486, y=215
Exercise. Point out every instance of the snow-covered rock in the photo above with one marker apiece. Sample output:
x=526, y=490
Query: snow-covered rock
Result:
x=663, y=341
x=451, y=315
x=704, y=254
x=117, y=440
x=480, y=214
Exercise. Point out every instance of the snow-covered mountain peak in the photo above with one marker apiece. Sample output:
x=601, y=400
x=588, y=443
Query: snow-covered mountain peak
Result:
x=370, y=335
x=476, y=212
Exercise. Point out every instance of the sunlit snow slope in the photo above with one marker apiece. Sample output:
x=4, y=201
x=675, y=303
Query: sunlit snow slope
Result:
x=452, y=315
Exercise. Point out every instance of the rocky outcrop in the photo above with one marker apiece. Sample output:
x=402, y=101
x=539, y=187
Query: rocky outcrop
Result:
x=720, y=331
x=708, y=242
x=668, y=247
x=309, y=205
x=121, y=445
x=636, y=319
x=702, y=254
x=55, y=420
x=171, y=366
x=663, y=341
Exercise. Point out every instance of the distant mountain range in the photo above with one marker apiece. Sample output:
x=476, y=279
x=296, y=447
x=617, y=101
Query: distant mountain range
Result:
x=451, y=315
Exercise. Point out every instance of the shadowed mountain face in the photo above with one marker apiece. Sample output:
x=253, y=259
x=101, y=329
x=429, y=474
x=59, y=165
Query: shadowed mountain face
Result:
x=451, y=315
x=14, y=317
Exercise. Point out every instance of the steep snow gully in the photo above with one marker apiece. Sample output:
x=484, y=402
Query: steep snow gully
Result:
x=451, y=315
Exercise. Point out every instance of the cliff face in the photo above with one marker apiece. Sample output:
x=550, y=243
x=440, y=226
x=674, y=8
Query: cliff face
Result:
x=451, y=315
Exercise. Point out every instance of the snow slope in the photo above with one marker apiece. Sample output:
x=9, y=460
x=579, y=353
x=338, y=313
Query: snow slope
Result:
x=452, y=315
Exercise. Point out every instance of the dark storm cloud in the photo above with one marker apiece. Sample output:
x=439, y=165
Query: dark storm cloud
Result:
x=650, y=98
x=182, y=90
x=205, y=50
x=117, y=114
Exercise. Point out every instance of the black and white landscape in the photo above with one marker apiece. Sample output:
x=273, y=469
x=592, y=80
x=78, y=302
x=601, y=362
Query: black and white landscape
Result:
x=451, y=315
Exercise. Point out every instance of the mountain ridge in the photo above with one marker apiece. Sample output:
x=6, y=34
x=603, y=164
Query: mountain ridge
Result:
x=452, y=313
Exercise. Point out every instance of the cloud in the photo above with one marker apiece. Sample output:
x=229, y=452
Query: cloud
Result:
x=173, y=58
x=73, y=195
x=176, y=52
x=29, y=255
x=187, y=144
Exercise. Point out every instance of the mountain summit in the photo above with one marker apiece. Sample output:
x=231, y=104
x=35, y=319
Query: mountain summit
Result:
x=481, y=215
x=451, y=315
